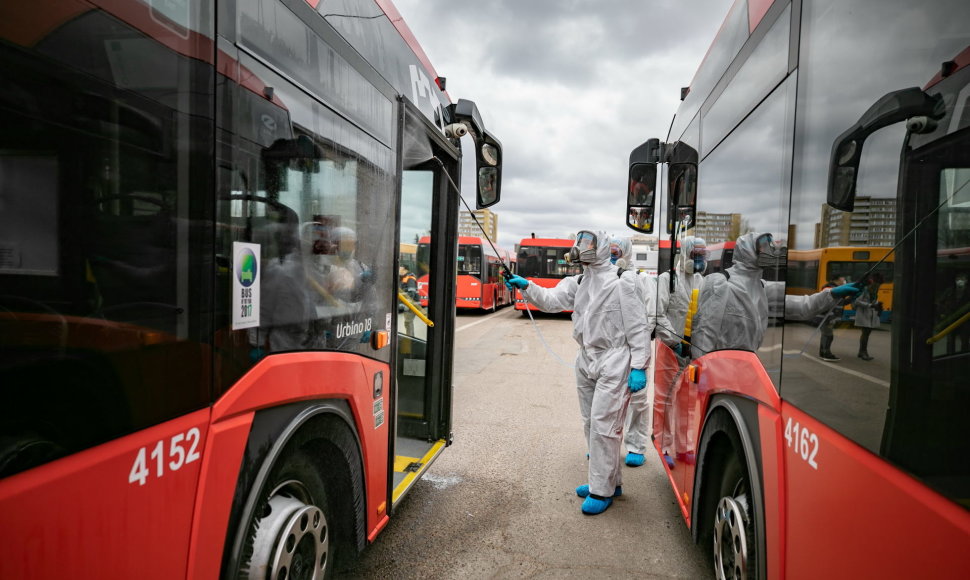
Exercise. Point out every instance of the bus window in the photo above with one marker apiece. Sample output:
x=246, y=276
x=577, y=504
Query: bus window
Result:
x=908, y=403
x=102, y=232
x=470, y=260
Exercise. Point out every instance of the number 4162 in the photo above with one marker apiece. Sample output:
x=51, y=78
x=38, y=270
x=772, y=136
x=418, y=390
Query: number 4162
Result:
x=802, y=441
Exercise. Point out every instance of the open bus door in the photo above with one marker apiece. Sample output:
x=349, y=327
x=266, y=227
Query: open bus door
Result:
x=425, y=329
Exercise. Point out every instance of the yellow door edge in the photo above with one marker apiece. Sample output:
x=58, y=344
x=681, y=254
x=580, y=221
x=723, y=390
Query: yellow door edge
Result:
x=405, y=484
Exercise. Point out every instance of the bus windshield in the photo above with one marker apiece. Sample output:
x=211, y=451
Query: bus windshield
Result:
x=545, y=262
x=470, y=259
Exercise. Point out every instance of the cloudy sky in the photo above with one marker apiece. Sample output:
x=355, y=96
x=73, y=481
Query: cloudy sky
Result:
x=570, y=87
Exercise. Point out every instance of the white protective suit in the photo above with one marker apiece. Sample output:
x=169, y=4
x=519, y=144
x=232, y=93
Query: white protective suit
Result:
x=610, y=326
x=671, y=315
x=732, y=312
x=636, y=435
x=672, y=306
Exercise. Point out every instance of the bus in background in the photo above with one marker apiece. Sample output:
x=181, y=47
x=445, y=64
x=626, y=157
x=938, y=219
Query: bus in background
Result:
x=478, y=283
x=720, y=257
x=810, y=270
x=200, y=370
x=808, y=469
x=645, y=258
x=542, y=261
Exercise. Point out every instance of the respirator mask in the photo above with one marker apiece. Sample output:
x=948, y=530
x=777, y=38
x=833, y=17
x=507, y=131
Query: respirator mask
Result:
x=697, y=260
x=584, y=249
x=770, y=255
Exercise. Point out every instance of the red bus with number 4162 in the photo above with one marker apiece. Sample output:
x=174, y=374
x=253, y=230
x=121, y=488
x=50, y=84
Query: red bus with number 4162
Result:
x=786, y=465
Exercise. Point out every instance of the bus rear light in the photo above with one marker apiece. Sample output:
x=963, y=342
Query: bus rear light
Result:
x=379, y=339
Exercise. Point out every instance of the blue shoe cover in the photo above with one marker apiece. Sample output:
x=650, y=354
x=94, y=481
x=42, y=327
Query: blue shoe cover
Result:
x=583, y=491
x=593, y=506
x=635, y=459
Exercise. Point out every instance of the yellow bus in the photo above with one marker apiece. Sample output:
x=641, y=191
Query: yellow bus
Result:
x=810, y=270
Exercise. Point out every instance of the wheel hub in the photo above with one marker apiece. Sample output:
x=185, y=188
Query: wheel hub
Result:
x=292, y=541
x=730, y=541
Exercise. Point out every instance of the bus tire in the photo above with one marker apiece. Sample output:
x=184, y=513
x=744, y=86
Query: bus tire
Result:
x=300, y=527
x=291, y=534
x=734, y=540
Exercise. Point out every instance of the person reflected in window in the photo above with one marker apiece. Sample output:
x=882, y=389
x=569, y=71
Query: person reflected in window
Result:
x=827, y=325
x=953, y=308
x=408, y=285
x=285, y=307
x=732, y=311
x=867, y=311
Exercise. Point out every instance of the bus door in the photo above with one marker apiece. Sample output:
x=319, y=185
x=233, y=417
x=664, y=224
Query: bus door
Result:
x=926, y=431
x=422, y=412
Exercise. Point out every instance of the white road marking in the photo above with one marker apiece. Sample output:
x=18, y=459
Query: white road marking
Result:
x=485, y=319
x=836, y=366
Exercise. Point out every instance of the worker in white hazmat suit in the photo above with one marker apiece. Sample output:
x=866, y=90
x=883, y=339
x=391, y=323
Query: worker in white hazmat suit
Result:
x=637, y=419
x=610, y=326
x=673, y=307
x=732, y=312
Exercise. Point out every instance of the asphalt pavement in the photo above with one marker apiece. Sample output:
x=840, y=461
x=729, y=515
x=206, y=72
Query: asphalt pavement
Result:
x=500, y=501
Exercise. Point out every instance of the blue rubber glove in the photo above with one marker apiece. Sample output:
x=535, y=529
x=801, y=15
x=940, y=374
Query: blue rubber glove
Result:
x=679, y=349
x=516, y=282
x=847, y=290
x=637, y=380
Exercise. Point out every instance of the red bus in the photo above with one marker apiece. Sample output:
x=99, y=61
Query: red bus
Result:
x=202, y=372
x=812, y=469
x=478, y=283
x=542, y=261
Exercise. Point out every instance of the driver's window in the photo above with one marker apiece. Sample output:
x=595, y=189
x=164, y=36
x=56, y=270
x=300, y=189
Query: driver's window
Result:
x=951, y=315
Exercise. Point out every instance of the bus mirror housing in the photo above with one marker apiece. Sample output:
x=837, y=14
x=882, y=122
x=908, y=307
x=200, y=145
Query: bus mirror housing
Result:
x=681, y=186
x=488, y=154
x=642, y=186
x=891, y=108
x=489, y=164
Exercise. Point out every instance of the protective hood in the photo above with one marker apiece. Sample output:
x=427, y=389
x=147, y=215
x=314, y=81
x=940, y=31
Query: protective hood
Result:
x=746, y=252
x=620, y=251
x=602, y=249
x=684, y=262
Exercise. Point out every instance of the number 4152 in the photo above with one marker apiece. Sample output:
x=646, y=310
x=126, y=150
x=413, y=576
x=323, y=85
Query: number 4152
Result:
x=183, y=448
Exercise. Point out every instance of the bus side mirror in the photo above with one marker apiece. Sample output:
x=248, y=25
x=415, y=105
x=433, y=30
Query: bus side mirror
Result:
x=891, y=108
x=488, y=154
x=681, y=186
x=642, y=186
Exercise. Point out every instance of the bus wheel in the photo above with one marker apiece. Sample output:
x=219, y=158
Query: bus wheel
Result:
x=291, y=536
x=734, y=536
